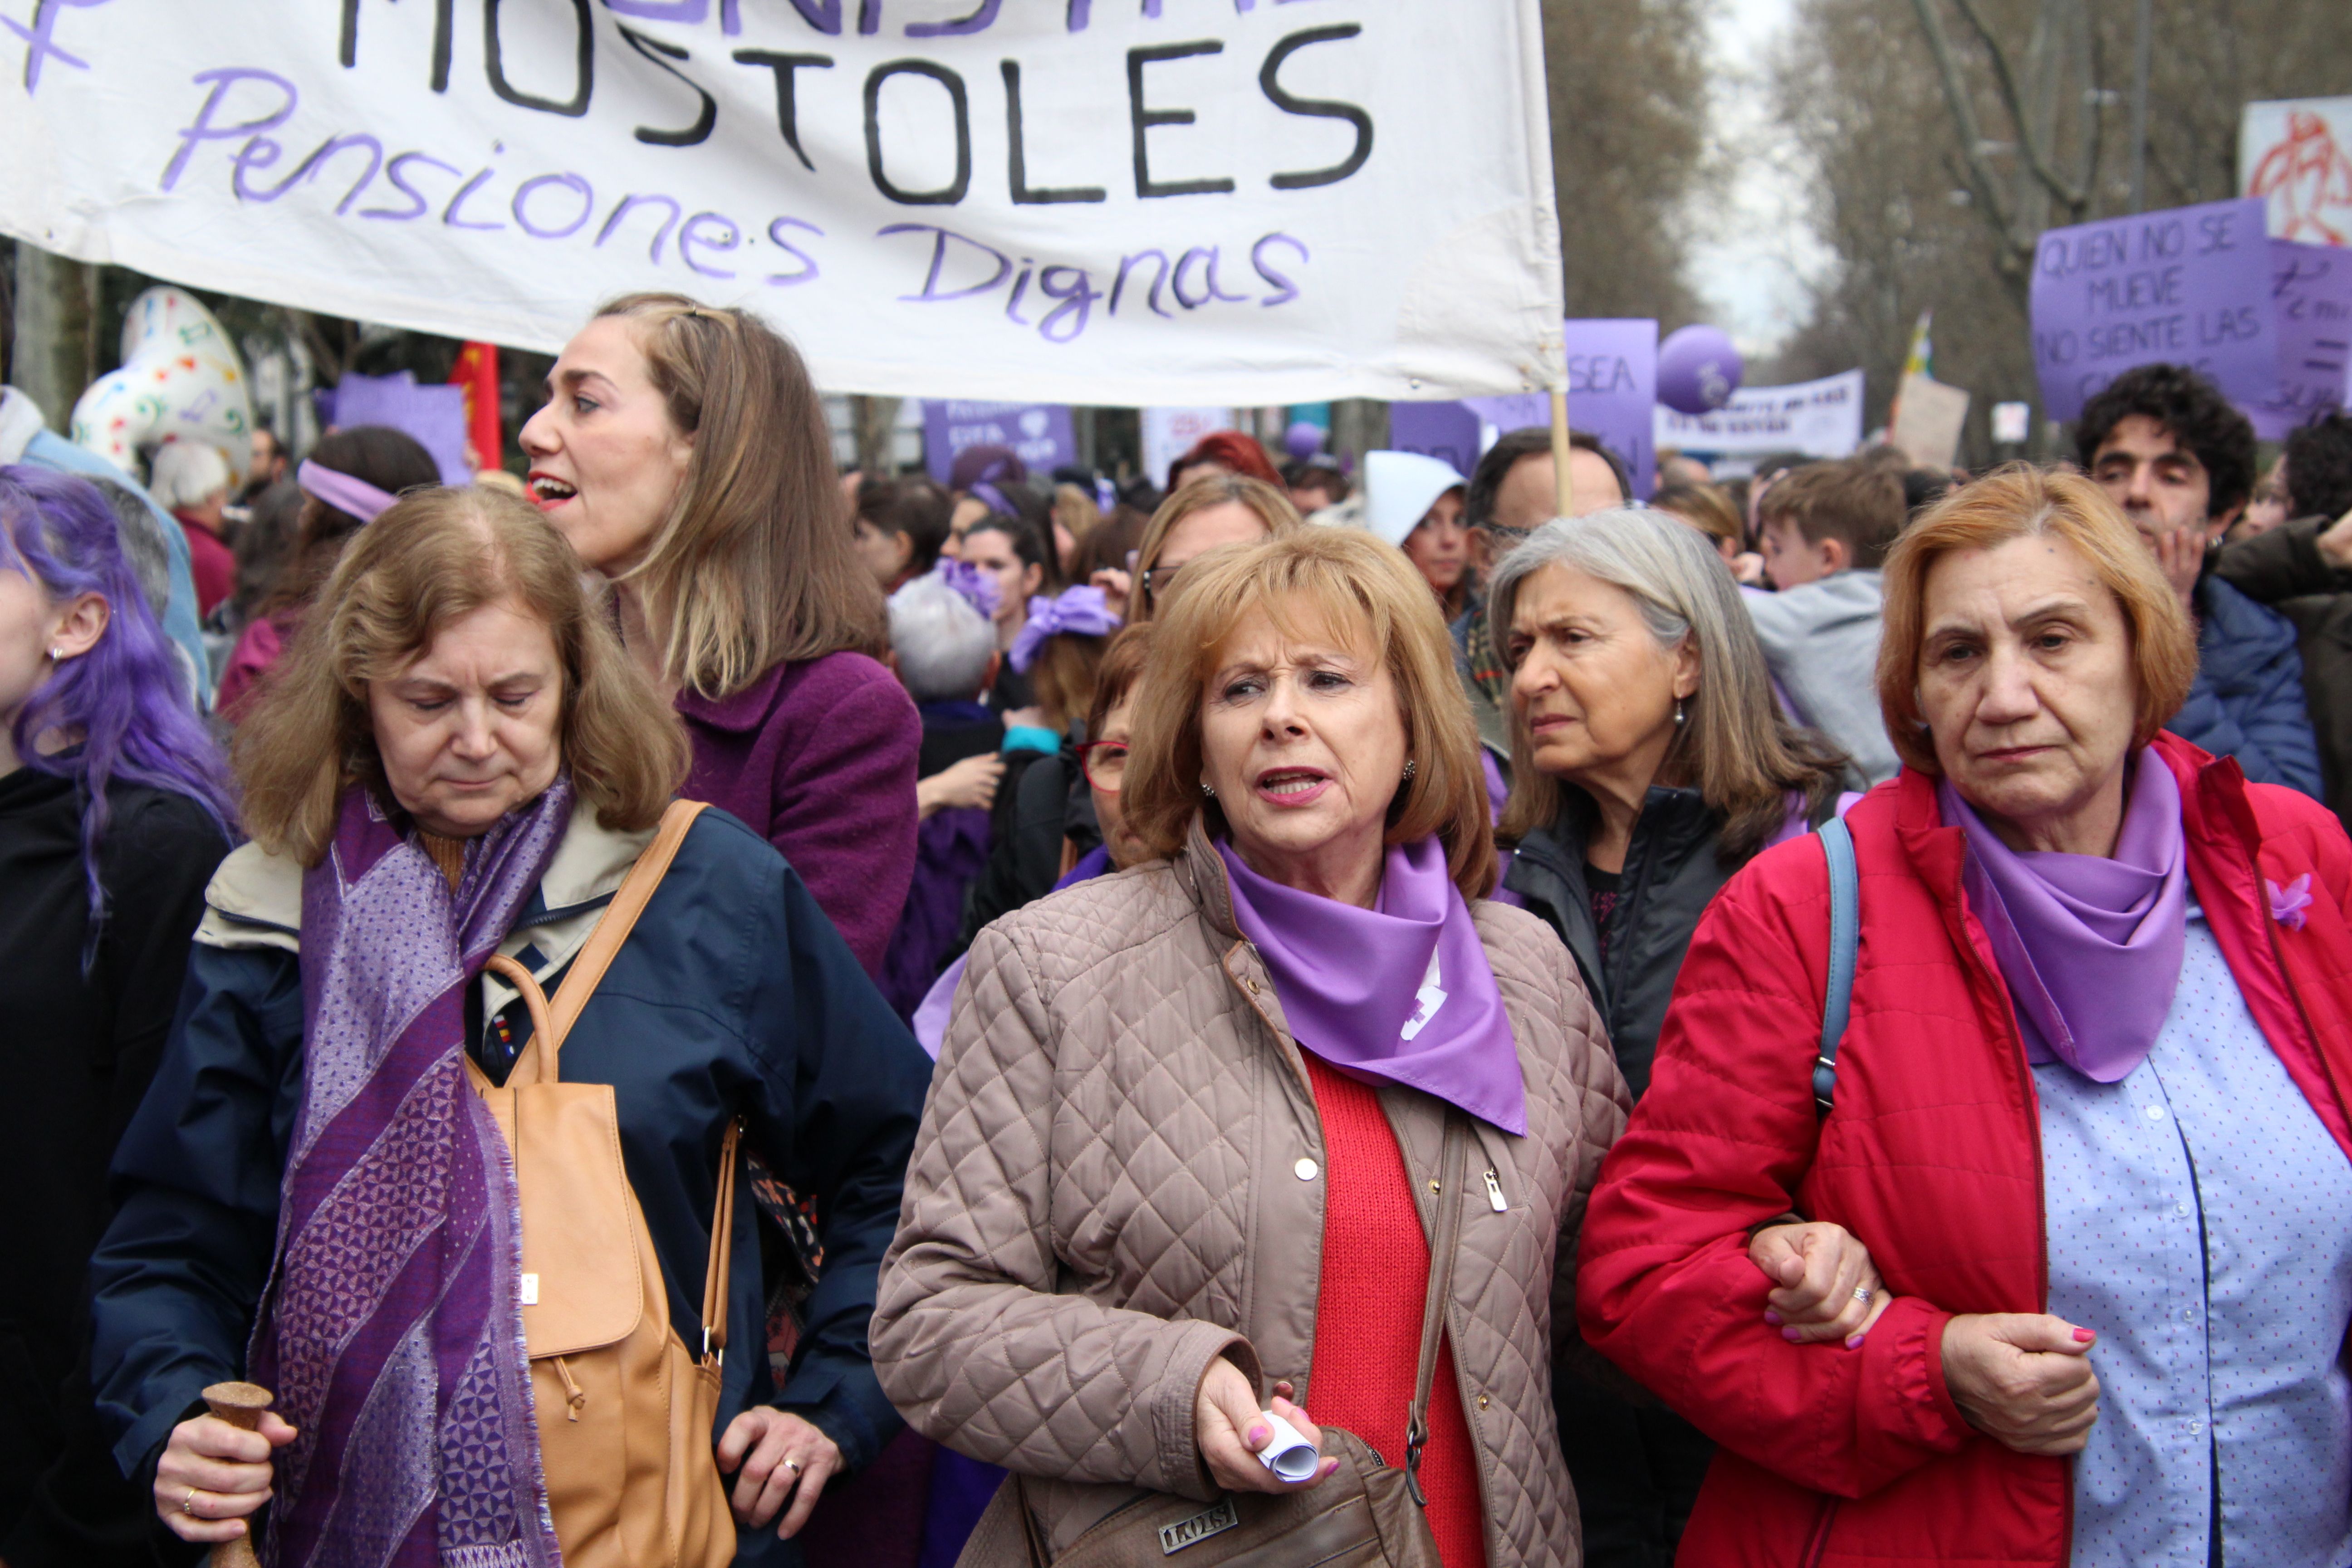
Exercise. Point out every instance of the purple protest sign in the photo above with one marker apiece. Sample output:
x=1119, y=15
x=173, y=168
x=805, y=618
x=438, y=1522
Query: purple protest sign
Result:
x=1613, y=389
x=2187, y=285
x=435, y=416
x=1040, y=434
x=2311, y=287
x=1447, y=431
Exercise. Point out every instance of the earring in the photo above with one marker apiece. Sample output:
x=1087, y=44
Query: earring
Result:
x=56, y=656
x=1678, y=709
x=1209, y=792
x=1410, y=765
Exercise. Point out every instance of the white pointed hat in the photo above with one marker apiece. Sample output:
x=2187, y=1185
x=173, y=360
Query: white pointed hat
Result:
x=1399, y=489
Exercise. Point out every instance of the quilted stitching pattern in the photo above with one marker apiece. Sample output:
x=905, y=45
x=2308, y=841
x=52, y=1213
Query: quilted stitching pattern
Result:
x=1101, y=1201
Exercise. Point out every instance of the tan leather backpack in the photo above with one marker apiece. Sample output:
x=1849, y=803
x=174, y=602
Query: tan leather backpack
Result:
x=625, y=1409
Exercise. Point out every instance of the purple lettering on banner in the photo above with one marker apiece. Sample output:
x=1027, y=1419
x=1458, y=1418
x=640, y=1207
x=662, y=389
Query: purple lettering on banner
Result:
x=727, y=238
x=938, y=262
x=1447, y=431
x=1040, y=434
x=204, y=129
x=685, y=13
x=808, y=263
x=435, y=416
x=1613, y=393
x=587, y=205
x=2311, y=288
x=2187, y=285
x=41, y=39
x=977, y=21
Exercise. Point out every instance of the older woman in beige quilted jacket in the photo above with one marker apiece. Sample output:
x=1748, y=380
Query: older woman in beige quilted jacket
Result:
x=1177, y=1167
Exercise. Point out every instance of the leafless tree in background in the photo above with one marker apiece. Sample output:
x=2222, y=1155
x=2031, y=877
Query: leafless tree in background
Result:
x=1939, y=137
x=1629, y=117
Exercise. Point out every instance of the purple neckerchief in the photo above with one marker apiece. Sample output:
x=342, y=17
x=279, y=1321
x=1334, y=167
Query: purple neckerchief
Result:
x=931, y=1020
x=1082, y=611
x=391, y=1332
x=342, y=490
x=1402, y=991
x=2091, y=946
x=972, y=585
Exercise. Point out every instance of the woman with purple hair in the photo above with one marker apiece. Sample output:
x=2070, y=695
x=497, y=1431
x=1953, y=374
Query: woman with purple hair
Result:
x=114, y=809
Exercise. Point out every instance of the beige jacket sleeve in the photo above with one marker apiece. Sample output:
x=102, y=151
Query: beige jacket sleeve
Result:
x=972, y=1341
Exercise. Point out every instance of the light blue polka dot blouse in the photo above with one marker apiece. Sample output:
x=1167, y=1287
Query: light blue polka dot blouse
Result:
x=2200, y=1219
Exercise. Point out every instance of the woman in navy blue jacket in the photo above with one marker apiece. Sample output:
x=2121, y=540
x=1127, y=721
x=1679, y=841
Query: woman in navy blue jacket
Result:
x=308, y=1164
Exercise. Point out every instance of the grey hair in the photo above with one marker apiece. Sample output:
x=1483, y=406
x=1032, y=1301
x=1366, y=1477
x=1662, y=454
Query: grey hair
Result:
x=943, y=644
x=1733, y=745
x=187, y=473
x=144, y=545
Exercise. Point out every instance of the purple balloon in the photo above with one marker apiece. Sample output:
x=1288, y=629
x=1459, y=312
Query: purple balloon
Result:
x=1302, y=440
x=1698, y=369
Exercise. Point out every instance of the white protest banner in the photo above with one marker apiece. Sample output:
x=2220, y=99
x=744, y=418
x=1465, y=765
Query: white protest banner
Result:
x=2297, y=154
x=1168, y=433
x=1820, y=418
x=1210, y=202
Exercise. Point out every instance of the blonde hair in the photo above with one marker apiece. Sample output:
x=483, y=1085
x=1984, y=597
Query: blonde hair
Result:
x=1733, y=746
x=1356, y=588
x=1212, y=488
x=435, y=556
x=2020, y=501
x=754, y=566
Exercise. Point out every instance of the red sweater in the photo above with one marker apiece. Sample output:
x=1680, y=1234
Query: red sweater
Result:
x=1368, y=1314
x=1932, y=1157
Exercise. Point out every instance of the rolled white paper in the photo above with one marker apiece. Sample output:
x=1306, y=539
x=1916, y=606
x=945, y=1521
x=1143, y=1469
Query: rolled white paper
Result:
x=1290, y=1457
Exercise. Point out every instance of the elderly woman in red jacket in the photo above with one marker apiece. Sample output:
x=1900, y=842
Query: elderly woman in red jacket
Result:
x=2087, y=1113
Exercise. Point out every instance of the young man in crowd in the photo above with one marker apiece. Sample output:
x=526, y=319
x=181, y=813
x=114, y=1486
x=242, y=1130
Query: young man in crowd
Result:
x=2302, y=568
x=2168, y=450
x=1825, y=529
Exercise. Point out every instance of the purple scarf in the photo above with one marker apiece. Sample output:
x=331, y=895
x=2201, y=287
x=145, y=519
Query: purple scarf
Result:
x=392, y=1331
x=2091, y=947
x=1402, y=991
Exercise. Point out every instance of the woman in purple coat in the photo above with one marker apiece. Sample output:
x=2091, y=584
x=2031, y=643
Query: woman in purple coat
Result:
x=683, y=452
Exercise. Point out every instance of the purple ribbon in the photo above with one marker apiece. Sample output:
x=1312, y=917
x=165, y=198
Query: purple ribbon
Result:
x=2288, y=903
x=341, y=491
x=1081, y=611
x=974, y=586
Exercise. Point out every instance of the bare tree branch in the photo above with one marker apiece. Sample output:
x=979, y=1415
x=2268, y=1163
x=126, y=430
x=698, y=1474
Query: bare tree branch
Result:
x=2037, y=156
x=1964, y=115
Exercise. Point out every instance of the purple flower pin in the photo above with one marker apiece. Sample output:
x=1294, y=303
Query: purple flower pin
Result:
x=2288, y=903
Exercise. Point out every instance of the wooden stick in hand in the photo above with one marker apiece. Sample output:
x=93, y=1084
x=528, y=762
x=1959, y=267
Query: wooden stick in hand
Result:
x=240, y=1404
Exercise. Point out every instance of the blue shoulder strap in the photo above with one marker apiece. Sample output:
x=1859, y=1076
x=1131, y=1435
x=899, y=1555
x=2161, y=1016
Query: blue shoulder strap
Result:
x=1845, y=939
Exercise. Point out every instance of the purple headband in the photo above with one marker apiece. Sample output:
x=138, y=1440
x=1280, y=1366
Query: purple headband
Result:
x=1082, y=612
x=974, y=586
x=341, y=491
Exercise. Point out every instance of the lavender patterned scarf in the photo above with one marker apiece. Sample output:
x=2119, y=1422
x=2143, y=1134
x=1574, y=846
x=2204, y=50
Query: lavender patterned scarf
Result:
x=392, y=1331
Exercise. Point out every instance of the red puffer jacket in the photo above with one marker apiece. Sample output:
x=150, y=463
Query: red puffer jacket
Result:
x=1932, y=1157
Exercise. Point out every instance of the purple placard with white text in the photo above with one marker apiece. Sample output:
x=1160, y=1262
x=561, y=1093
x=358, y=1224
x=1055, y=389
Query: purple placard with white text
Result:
x=2312, y=289
x=1612, y=387
x=434, y=415
x=1447, y=431
x=1040, y=434
x=2187, y=285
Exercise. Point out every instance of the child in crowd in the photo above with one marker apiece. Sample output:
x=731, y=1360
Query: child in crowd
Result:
x=1825, y=529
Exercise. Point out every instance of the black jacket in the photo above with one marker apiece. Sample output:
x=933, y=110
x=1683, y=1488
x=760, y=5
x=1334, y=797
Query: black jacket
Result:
x=77, y=1052
x=1671, y=873
x=1050, y=803
x=2284, y=570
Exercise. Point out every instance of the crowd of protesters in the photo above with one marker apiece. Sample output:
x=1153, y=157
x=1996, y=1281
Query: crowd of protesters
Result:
x=1078, y=987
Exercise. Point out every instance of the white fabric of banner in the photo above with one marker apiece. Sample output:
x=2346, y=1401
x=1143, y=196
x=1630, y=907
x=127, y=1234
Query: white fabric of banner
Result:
x=1820, y=418
x=1171, y=202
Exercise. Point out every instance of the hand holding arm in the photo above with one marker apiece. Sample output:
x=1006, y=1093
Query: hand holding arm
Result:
x=1825, y=1287
x=2023, y=1379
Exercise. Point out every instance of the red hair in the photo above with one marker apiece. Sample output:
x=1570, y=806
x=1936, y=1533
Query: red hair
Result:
x=1232, y=451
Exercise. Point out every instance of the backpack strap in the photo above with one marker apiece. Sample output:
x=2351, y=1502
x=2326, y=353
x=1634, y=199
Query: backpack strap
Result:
x=1845, y=941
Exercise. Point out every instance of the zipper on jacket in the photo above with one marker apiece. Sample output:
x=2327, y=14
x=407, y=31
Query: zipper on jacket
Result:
x=1820, y=1541
x=1494, y=1199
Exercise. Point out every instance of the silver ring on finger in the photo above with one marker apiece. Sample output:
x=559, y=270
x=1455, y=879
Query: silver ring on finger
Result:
x=1861, y=1294
x=188, y=1504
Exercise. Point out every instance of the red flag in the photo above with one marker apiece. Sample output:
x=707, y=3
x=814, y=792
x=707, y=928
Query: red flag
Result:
x=478, y=372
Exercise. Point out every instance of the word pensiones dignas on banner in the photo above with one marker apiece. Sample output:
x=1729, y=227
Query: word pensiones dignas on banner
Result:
x=1143, y=201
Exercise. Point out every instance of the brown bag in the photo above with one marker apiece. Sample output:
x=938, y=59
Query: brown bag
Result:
x=624, y=1410
x=1367, y=1514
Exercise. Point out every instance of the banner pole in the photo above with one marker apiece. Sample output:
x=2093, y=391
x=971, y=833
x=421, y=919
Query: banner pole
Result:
x=1563, y=487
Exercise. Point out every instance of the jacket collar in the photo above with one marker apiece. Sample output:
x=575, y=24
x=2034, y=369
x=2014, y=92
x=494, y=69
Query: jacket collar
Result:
x=740, y=712
x=1202, y=872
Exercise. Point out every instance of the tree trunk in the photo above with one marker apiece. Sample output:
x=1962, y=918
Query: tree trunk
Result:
x=872, y=419
x=56, y=345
